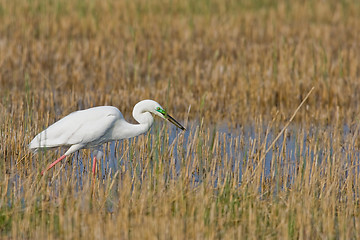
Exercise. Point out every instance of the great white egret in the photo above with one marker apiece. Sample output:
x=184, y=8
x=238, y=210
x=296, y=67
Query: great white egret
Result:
x=92, y=127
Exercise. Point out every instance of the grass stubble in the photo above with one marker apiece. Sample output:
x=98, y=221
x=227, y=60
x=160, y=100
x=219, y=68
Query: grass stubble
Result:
x=246, y=64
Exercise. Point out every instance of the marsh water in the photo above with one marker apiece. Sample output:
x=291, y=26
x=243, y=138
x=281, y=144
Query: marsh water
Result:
x=235, y=149
x=194, y=152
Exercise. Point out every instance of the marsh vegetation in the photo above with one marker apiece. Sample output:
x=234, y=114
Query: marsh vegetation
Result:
x=232, y=71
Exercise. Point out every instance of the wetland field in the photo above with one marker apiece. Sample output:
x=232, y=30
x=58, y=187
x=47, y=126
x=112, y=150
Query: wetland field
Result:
x=269, y=92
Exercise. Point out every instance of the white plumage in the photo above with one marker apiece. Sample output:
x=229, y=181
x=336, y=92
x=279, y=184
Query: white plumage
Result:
x=94, y=126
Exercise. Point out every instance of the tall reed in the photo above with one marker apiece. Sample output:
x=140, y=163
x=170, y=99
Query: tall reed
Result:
x=235, y=71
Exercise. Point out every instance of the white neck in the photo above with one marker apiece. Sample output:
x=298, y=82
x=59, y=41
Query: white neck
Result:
x=128, y=130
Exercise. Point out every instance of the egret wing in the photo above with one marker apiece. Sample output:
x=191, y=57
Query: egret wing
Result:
x=88, y=127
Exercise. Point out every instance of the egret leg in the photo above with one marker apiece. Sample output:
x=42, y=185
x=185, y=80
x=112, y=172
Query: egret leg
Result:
x=97, y=155
x=94, y=165
x=53, y=164
x=93, y=170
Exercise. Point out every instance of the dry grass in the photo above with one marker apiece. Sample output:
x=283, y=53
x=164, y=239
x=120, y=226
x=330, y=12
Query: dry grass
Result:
x=237, y=63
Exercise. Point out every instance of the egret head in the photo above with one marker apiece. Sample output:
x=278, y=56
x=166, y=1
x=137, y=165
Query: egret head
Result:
x=155, y=108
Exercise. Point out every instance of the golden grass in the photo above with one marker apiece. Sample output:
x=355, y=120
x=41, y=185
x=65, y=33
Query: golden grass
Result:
x=244, y=64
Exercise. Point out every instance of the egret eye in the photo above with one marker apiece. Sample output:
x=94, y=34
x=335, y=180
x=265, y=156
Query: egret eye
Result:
x=160, y=110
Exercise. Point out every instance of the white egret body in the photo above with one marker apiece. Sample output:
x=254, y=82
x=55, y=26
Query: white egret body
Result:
x=92, y=127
